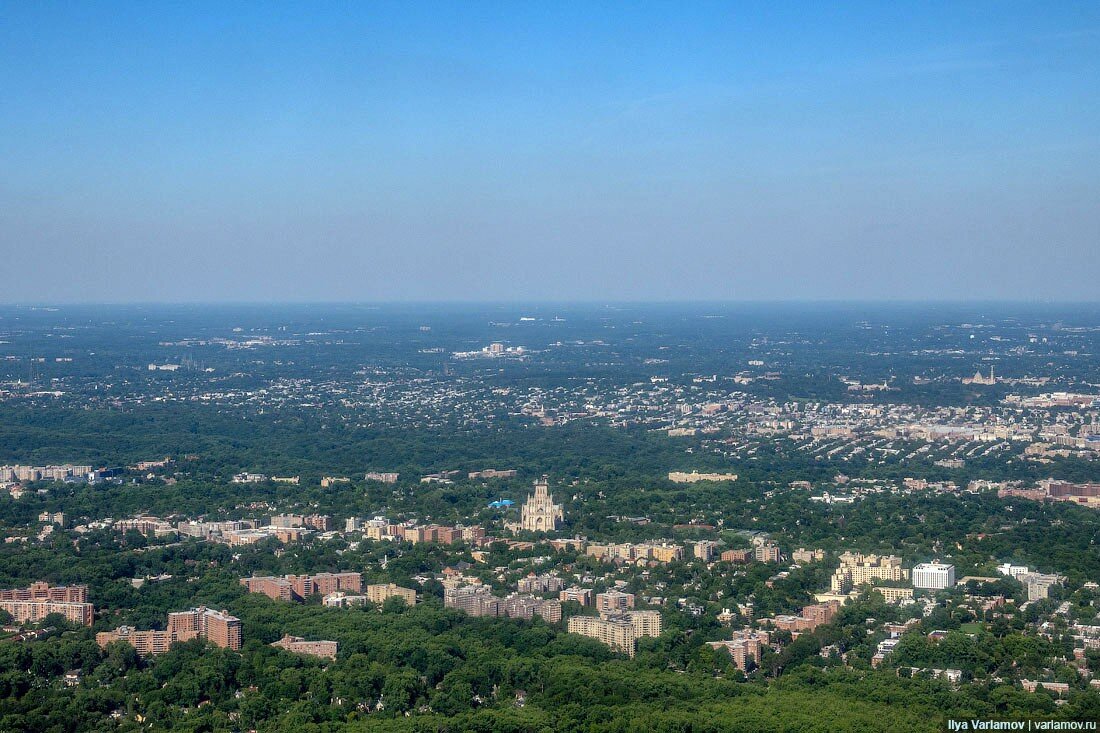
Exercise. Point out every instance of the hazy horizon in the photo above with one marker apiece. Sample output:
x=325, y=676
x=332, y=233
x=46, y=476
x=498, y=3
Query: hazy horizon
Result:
x=569, y=153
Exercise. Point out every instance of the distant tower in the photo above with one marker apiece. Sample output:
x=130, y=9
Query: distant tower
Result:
x=540, y=513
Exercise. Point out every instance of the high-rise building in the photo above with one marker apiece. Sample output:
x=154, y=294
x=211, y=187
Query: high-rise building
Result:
x=745, y=647
x=539, y=584
x=474, y=600
x=278, y=589
x=705, y=550
x=146, y=643
x=858, y=569
x=218, y=627
x=618, y=631
x=299, y=587
x=520, y=605
x=478, y=600
x=34, y=611
x=42, y=591
x=646, y=623
x=582, y=596
x=1039, y=584
x=802, y=555
x=767, y=552
x=614, y=601
x=933, y=576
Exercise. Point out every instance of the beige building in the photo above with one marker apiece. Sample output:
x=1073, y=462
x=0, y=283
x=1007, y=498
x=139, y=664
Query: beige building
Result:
x=546, y=583
x=539, y=512
x=705, y=550
x=34, y=611
x=802, y=555
x=629, y=552
x=618, y=631
x=681, y=477
x=42, y=591
x=767, y=552
x=893, y=595
x=379, y=592
x=859, y=569
x=146, y=643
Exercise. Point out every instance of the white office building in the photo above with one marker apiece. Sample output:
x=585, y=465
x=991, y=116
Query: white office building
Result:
x=933, y=576
x=1012, y=571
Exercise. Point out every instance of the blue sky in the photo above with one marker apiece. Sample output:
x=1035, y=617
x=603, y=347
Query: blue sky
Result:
x=534, y=151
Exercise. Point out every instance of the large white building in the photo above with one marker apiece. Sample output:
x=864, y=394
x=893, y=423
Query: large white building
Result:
x=1013, y=571
x=933, y=575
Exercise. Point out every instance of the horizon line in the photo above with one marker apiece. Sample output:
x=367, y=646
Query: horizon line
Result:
x=556, y=302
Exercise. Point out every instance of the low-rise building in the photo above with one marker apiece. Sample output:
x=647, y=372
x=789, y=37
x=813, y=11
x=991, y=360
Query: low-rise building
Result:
x=810, y=618
x=802, y=555
x=737, y=556
x=380, y=592
x=298, y=645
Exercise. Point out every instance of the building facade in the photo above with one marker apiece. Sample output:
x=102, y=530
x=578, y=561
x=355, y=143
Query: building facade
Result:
x=217, y=627
x=859, y=569
x=380, y=592
x=34, y=611
x=933, y=576
x=614, y=601
x=539, y=512
x=298, y=645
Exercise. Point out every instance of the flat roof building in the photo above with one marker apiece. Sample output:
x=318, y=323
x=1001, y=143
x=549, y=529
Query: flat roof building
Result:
x=298, y=645
x=933, y=576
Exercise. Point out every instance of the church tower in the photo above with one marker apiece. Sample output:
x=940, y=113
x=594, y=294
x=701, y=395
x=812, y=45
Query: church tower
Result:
x=539, y=512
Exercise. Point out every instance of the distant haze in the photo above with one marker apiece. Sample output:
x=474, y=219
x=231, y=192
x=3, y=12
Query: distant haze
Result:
x=549, y=151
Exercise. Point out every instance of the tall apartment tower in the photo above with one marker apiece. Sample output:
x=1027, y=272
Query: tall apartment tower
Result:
x=222, y=630
x=540, y=513
x=218, y=627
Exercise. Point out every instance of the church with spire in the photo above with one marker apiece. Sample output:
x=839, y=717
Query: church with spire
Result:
x=979, y=378
x=539, y=513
